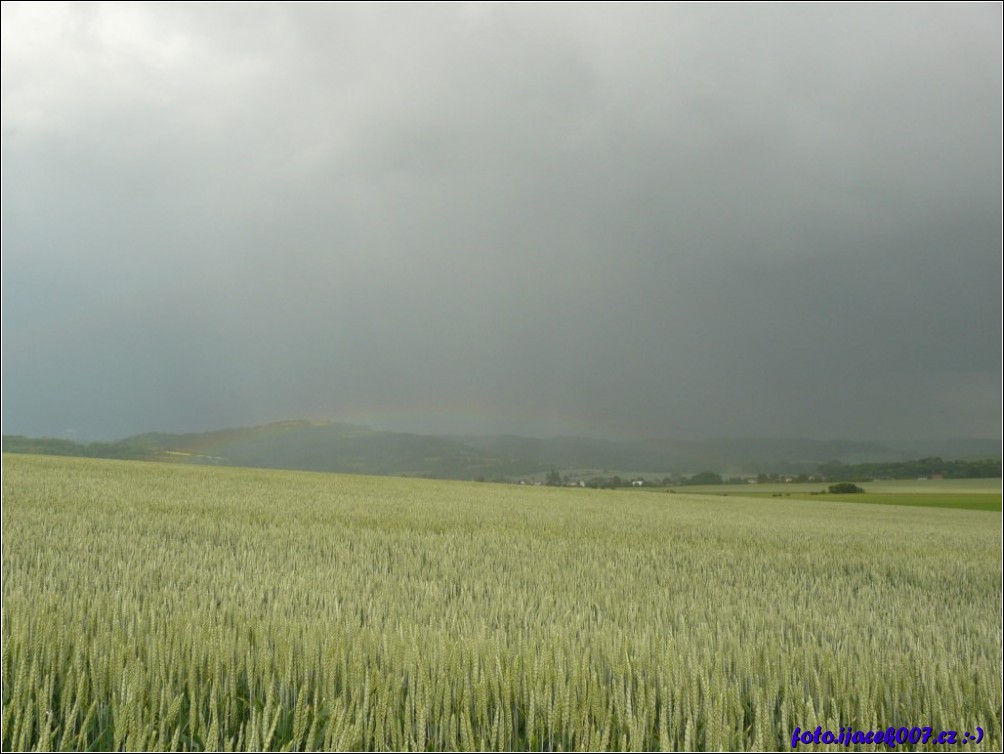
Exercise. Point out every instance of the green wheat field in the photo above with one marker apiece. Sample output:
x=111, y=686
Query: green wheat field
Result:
x=199, y=608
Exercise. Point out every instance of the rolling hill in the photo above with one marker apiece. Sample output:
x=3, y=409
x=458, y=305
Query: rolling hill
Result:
x=350, y=448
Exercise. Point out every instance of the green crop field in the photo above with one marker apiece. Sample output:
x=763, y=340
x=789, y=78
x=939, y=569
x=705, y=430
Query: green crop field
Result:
x=965, y=501
x=971, y=494
x=976, y=502
x=155, y=606
x=885, y=486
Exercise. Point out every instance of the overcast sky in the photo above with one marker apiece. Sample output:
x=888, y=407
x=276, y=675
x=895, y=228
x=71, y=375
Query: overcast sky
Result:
x=615, y=220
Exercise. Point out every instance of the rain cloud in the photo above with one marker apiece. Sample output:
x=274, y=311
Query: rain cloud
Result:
x=626, y=220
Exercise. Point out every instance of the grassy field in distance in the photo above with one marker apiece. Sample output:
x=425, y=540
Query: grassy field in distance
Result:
x=156, y=606
x=969, y=494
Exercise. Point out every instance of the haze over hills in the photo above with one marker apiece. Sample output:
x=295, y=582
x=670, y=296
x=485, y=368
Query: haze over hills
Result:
x=351, y=448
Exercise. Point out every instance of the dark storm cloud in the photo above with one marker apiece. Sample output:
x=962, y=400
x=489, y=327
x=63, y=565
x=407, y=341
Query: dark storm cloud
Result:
x=656, y=220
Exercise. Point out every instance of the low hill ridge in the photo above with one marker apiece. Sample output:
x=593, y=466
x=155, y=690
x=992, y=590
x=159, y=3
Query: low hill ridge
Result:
x=332, y=446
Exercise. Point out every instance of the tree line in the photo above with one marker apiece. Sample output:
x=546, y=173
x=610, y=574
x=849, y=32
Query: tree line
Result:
x=54, y=446
x=984, y=468
x=832, y=471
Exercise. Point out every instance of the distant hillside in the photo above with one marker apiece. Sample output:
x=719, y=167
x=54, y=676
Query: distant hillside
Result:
x=334, y=447
x=966, y=449
x=573, y=452
x=349, y=448
x=751, y=456
x=52, y=446
x=727, y=456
